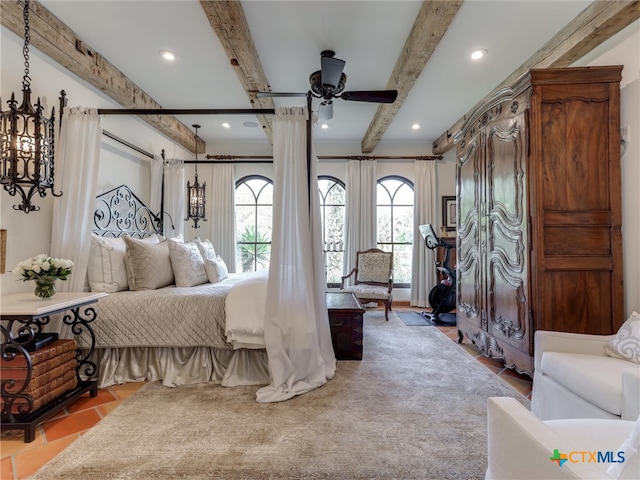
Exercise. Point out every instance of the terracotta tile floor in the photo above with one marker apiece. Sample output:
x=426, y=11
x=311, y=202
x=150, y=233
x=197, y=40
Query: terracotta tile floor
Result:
x=20, y=460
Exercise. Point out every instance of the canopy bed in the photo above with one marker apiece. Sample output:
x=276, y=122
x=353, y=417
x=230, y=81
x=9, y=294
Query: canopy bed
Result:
x=296, y=353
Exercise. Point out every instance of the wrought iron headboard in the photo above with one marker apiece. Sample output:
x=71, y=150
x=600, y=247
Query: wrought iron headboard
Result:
x=120, y=212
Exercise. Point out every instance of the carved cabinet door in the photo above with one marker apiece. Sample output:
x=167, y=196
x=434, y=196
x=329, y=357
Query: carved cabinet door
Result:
x=504, y=221
x=470, y=187
x=492, y=236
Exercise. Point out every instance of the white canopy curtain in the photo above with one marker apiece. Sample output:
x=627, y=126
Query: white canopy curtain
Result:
x=155, y=196
x=77, y=168
x=423, y=275
x=296, y=327
x=175, y=192
x=360, y=219
x=78, y=163
x=223, y=219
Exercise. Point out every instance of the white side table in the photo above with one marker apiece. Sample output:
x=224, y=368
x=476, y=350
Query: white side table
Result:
x=24, y=315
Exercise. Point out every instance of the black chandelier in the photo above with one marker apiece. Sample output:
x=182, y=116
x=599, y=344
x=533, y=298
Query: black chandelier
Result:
x=196, y=194
x=26, y=141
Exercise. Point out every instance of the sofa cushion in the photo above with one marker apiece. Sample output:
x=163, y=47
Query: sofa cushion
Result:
x=598, y=380
x=597, y=435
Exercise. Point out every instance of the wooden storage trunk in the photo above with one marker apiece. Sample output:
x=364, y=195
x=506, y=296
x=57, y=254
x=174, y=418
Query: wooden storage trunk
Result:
x=345, y=320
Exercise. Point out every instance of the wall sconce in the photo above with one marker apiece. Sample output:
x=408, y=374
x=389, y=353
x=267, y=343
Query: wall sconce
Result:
x=196, y=194
x=27, y=141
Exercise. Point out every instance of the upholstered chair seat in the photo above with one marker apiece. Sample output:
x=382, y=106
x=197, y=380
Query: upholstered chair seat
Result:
x=581, y=376
x=373, y=278
x=521, y=446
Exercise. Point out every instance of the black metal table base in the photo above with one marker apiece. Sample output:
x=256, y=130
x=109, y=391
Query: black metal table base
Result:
x=29, y=422
x=17, y=335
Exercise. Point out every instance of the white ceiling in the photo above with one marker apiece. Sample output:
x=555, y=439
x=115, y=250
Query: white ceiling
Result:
x=289, y=36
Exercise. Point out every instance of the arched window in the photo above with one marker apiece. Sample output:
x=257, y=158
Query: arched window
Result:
x=395, y=225
x=254, y=220
x=332, y=211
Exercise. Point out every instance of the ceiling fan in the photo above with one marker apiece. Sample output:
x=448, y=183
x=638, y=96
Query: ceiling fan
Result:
x=329, y=83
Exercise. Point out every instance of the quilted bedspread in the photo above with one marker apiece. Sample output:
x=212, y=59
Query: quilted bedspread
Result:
x=167, y=317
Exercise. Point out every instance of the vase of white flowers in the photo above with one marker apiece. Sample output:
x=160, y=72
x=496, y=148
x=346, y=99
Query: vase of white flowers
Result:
x=44, y=270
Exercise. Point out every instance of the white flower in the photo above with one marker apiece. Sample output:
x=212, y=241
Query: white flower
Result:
x=43, y=265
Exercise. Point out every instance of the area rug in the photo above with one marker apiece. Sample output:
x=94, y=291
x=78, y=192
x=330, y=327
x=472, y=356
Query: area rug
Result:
x=416, y=319
x=413, y=408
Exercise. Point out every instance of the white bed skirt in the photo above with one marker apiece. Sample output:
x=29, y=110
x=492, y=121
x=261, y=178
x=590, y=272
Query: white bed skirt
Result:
x=181, y=366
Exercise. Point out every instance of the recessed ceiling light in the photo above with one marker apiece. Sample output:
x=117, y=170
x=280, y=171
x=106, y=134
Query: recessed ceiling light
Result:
x=478, y=54
x=225, y=125
x=324, y=126
x=168, y=55
x=250, y=124
x=415, y=126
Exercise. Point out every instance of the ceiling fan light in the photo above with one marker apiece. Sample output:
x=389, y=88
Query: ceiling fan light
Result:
x=478, y=54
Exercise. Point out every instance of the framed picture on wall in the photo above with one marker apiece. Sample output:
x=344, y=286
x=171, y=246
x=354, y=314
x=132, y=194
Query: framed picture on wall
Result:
x=449, y=213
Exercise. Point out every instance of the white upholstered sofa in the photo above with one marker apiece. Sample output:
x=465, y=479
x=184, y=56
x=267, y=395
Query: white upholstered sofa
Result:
x=521, y=446
x=575, y=378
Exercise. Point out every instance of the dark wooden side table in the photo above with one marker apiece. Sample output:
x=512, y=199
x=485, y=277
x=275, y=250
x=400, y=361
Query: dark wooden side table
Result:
x=22, y=316
x=345, y=321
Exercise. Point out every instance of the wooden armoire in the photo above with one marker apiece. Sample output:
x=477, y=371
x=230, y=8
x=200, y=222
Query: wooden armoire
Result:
x=539, y=212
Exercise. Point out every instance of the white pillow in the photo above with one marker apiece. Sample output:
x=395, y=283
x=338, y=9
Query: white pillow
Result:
x=626, y=343
x=206, y=248
x=187, y=264
x=148, y=265
x=106, y=269
x=216, y=269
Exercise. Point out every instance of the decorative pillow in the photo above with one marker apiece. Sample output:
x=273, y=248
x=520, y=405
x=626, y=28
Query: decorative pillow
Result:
x=216, y=269
x=148, y=265
x=626, y=343
x=206, y=249
x=187, y=264
x=106, y=269
x=177, y=238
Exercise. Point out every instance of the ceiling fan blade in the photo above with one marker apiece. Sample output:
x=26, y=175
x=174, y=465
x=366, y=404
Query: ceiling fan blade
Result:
x=279, y=94
x=379, y=96
x=325, y=111
x=331, y=69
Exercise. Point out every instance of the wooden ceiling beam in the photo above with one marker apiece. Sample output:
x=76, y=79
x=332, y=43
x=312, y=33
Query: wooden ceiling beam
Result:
x=432, y=22
x=230, y=25
x=595, y=24
x=58, y=41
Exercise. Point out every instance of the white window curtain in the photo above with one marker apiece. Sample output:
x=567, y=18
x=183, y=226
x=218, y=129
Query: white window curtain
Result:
x=223, y=217
x=423, y=275
x=78, y=160
x=175, y=192
x=360, y=218
x=296, y=327
x=155, y=197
